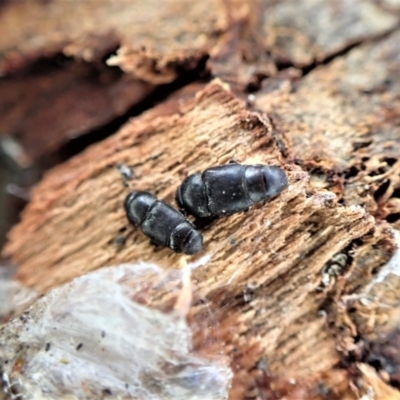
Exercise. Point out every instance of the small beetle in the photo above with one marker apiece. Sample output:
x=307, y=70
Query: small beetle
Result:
x=163, y=224
x=228, y=189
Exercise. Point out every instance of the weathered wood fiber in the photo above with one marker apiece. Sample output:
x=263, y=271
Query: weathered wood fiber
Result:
x=276, y=251
x=296, y=286
x=158, y=38
x=340, y=122
x=318, y=29
x=154, y=42
x=57, y=84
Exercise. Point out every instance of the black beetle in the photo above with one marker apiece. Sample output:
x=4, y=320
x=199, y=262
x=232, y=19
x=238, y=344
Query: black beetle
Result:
x=163, y=224
x=228, y=189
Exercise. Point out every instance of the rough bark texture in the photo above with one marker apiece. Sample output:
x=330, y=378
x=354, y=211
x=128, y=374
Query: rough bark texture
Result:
x=303, y=301
x=341, y=123
x=278, y=250
x=245, y=42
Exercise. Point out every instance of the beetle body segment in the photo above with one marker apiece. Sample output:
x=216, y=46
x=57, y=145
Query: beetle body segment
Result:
x=228, y=189
x=163, y=224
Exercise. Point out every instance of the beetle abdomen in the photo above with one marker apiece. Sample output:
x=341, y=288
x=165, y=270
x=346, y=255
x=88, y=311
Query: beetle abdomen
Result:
x=184, y=238
x=228, y=189
x=163, y=224
x=225, y=189
x=264, y=182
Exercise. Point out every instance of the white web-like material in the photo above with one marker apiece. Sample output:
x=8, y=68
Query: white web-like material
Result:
x=103, y=335
x=14, y=297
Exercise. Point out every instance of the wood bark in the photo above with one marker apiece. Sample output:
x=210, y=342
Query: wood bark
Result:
x=304, y=302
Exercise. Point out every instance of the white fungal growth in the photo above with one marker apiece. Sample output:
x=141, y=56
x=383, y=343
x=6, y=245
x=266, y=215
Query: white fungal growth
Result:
x=119, y=332
x=14, y=297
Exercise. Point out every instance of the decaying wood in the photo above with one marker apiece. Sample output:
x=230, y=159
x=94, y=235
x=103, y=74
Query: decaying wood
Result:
x=298, y=286
x=244, y=42
x=340, y=123
x=155, y=47
x=275, y=251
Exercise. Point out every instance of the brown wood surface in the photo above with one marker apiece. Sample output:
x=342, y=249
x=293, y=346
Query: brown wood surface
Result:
x=81, y=201
x=325, y=108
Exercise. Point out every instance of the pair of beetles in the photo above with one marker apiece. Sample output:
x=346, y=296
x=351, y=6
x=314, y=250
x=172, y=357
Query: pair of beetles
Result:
x=218, y=191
